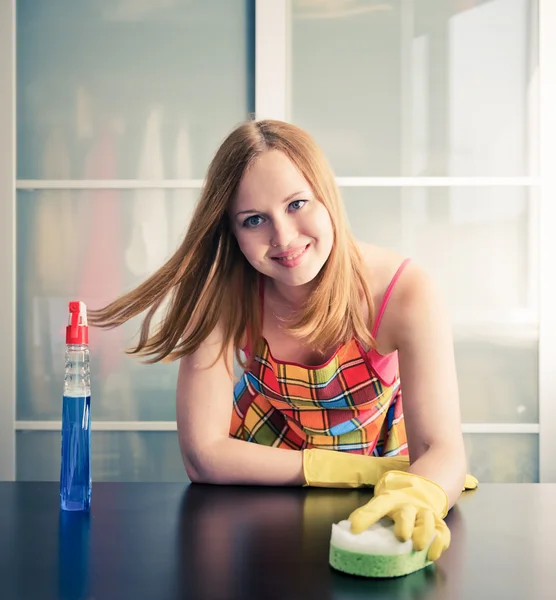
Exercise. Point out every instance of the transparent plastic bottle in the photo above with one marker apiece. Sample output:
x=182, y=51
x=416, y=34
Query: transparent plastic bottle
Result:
x=75, y=468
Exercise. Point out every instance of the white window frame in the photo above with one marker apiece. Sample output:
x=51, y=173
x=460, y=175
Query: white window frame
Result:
x=7, y=241
x=547, y=243
x=272, y=100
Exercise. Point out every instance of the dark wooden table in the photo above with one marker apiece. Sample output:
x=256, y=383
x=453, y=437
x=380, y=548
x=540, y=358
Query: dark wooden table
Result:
x=166, y=541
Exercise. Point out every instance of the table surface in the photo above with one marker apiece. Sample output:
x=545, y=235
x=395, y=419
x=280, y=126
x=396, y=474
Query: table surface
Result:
x=165, y=541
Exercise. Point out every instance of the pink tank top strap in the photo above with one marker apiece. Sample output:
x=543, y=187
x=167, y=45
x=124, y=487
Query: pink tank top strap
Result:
x=387, y=295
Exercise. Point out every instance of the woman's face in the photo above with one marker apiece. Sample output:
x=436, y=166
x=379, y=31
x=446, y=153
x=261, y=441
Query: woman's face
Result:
x=281, y=228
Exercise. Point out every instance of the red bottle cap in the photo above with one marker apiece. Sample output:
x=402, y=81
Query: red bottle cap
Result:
x=77, y=332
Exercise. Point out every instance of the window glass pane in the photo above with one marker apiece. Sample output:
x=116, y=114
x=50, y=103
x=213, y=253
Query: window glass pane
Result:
x=498, y=379
x=92, y=246
x=486, y=269
x=428, y=88
x=116, y=456
x=155, y=456
x=480, y=246
x=503, y=457
x=141, y=90
x=479, y=243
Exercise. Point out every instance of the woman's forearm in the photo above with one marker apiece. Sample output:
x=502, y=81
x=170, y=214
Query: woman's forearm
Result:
x=236, y=462
x=445, y=465
x=230, y=461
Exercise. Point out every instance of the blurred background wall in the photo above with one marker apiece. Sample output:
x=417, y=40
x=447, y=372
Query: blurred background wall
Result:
x=428, y=112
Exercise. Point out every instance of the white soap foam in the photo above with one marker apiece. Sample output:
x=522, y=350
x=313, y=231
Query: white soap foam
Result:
x=379, y=538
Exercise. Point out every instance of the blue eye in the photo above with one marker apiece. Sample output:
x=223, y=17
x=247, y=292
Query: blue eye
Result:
x=298, y=204
x=251, y=221
x=255, y=220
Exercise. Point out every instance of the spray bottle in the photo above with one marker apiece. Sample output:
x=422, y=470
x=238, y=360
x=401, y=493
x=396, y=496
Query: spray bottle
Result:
x=75, y=469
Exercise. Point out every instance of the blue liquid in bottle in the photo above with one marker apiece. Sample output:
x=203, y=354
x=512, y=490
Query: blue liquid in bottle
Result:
x=75, y=465
x=75, y=472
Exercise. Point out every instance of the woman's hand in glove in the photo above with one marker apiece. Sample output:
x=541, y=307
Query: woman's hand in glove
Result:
x=416, y=505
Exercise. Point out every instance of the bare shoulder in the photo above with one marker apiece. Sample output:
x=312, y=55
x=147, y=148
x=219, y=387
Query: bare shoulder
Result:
x=381, y=265
x=415, y=299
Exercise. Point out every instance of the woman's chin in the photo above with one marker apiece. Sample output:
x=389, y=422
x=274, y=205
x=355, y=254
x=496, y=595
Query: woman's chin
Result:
x=298, y=276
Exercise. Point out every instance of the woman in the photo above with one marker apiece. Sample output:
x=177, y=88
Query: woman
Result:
x=329, y=328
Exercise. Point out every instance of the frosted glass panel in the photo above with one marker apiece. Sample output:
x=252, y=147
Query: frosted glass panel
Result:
x=121, y=89
x=428, y=88
x=480, y=246
x=116, y=456
x=93, y=246
x=480, y=243
x=503, y=458
x=498, y=379
x=155, y=456
x=375, y=215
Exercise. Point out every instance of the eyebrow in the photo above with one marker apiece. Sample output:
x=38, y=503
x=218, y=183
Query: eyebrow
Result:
x=252, y=210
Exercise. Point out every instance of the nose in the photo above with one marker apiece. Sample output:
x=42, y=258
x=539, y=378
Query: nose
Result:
x=283, y=233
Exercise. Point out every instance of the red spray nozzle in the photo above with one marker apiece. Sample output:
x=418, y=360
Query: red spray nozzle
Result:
x=77, y=331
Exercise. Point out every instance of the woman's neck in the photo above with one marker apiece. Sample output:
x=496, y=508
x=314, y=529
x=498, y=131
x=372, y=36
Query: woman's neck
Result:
x=287, y=298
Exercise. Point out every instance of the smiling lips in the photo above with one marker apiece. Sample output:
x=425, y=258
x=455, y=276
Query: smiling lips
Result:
x=291, y=258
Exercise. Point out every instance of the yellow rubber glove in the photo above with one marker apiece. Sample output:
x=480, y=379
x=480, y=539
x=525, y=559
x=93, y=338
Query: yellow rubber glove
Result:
x=331, y=468
x=471, y=483
x=417, y=506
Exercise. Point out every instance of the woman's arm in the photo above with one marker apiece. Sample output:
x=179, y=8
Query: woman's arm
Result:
x=420, y=329
x=204, y=404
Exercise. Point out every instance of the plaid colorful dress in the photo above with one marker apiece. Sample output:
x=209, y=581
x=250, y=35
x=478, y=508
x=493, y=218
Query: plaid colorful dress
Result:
x=353, y=403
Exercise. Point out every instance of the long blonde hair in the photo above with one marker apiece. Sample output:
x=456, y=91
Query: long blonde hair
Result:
x=208, y=281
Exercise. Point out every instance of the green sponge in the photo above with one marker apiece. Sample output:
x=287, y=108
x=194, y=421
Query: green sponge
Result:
x=376, y=552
